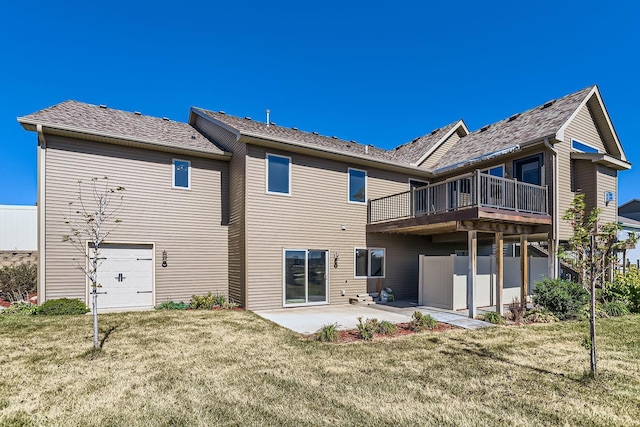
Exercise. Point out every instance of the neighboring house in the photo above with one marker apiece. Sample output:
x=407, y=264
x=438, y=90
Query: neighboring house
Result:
x=18, y=228
x=629, y=221
x=278, y=217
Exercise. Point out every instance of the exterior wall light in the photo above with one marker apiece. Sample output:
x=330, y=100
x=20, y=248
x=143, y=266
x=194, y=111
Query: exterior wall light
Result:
x=335, y=259
x=164, y=258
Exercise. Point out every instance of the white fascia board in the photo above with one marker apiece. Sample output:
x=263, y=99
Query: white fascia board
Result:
x=442, y=141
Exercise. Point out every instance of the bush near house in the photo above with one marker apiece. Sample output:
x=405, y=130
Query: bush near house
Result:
x=62, y=306
x=625, y=288
x=18, y=281
x=564, y=298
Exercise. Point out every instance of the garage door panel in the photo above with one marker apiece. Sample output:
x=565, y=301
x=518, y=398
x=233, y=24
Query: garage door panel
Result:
x=126, y=276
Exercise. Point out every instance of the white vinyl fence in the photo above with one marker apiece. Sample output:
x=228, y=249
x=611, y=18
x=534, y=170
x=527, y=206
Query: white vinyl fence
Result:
x=443, y=280
x=18, y=228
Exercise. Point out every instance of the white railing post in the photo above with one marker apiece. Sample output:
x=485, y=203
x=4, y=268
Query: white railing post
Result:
x=515, y=194
x=478, y=196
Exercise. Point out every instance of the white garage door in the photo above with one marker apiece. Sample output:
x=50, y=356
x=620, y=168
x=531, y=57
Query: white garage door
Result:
x=126, y=276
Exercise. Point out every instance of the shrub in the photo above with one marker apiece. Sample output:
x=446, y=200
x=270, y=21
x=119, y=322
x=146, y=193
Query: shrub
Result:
x=625, y=287
x=367, y=329
x=494, y=317
x=563, y=298
x=18, y=281
x=615, y=308
x=540, y=315
x=386, y=328
x=62, y=306
x=206, y=302
x=421, y=322
x=517, y=310
x=170, y=305
x=328, y=333
x=21, y=308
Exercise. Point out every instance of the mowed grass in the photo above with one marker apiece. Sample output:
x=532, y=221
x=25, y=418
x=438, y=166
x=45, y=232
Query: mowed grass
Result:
x=234, y=368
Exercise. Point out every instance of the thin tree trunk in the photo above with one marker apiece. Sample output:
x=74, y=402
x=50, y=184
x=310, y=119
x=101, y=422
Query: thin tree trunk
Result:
x=592, y=314
x=96, y=342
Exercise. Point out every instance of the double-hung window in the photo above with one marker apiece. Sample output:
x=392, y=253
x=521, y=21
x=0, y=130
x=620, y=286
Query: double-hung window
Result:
x=369, y=262
x=357, y=186
x=181, y=174
x=278, y=174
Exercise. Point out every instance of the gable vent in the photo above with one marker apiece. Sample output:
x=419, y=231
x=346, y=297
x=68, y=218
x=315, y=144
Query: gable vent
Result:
x=484, y=128
x=512, y=118
x=137, y=113
x=547, y=104
x=103, y=106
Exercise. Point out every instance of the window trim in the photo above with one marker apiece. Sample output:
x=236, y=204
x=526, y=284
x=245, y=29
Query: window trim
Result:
x=306, y=278
x=539, y=157
x=597, y=151
x=369, y=276
x=266, y=183
x=355, y=202
x=501, y=165
x=173, y=174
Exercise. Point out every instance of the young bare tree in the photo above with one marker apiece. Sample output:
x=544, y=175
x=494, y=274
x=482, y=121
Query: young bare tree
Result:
x=91, y=220
x=593, y=246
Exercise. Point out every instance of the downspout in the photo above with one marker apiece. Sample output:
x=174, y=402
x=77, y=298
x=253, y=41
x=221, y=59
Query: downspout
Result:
x=42, y=152
x=555, y=216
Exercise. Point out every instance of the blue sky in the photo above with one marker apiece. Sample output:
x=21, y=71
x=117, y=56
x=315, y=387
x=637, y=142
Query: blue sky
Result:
x=380, y=73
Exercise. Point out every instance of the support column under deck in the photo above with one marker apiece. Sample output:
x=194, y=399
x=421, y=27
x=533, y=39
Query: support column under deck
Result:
x=472, y=242
x=524, y=267
x=553, y=259
x=499, y=242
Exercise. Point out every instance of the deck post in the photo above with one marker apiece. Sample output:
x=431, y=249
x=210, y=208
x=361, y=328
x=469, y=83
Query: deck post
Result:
x=553, y=259
x=472, y=237
x=524, y=268
x=499, y=241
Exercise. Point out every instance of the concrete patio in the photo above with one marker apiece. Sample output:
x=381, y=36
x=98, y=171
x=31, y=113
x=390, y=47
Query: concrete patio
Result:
x=307, y=320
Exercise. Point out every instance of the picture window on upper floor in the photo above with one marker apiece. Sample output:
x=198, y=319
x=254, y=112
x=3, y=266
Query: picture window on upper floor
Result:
x=278, y=174
x=181, y=174
x=582, y=147
x=357, y=186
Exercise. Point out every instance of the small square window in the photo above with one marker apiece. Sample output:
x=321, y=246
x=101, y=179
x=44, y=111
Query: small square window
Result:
x=181, y=174
x=357, y=186
x=278, y=174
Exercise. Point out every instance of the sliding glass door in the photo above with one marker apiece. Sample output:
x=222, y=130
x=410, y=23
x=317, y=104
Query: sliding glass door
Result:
x=305, y=277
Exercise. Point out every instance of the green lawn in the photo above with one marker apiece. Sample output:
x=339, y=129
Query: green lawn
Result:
x=233, y=368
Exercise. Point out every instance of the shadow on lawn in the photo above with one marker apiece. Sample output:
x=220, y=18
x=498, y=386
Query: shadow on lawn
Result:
x=479, y=350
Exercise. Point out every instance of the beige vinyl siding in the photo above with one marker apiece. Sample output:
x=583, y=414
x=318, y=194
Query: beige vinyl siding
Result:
x=584, y=181
x=607, y=180
x=237, y=243
x=440, y=151
x=310, y=218
x=583, y=129
x=188, y=224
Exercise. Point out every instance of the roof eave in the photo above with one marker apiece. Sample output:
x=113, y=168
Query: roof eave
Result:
x=119, y=140
x=441, y=141
x=602, y=159
x=259, y=139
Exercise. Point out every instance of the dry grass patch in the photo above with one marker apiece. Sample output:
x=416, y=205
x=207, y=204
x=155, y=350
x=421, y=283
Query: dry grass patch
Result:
x=234, y=368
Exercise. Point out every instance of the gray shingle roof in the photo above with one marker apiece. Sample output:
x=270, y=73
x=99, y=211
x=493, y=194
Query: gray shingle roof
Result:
x=95, y=120
x=519, y=129
x=412, y=151
x=260, y=129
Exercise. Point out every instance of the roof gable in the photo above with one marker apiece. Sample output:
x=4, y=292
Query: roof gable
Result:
x=418, y=150
x=593, y=101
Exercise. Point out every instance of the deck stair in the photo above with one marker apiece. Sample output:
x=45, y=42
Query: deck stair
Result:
x=362, y=299
x=543, y=251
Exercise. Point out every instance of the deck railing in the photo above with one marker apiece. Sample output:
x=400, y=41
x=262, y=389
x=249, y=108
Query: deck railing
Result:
x=461, y=192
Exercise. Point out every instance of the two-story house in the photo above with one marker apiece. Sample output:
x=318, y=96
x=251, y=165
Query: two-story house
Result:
x=277, y=217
